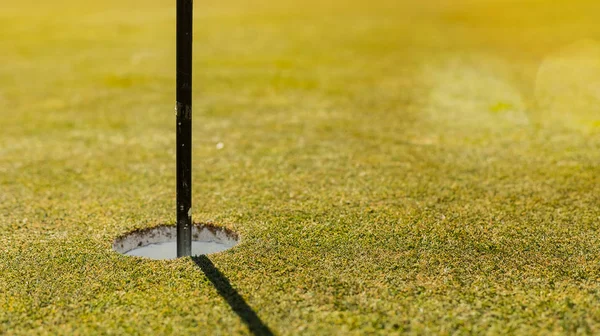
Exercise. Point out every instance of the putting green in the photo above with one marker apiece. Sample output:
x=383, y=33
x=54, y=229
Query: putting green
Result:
x=391, y=167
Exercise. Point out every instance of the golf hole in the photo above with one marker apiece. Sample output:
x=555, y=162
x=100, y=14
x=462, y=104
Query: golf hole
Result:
x=161, y=242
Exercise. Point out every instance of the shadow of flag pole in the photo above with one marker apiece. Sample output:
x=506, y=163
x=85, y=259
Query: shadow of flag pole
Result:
x=184, y=126
x=232, y=297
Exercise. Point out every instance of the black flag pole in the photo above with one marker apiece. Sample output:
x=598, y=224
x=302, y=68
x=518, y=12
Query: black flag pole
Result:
x=184, y=126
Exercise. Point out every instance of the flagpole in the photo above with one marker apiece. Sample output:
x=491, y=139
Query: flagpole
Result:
x=184, y=126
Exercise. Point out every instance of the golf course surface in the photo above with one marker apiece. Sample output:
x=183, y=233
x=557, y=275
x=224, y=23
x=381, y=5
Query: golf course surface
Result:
x=390, y=166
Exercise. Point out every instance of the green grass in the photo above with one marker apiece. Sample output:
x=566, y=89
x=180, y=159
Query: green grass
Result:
x=392, y=167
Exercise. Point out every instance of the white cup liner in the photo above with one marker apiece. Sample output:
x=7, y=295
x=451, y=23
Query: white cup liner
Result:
x=160, y=242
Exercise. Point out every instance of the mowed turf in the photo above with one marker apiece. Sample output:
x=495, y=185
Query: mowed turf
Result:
x=391, y=166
